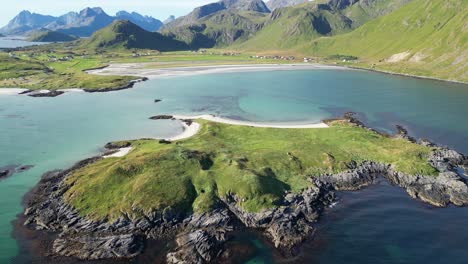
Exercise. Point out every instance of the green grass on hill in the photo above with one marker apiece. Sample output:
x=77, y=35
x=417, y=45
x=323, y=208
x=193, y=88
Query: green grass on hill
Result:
x=256, y=164
x=433, y=34
x=123, y=34
x=292, y=26
x=43, y=67
x=50, y=36
x=38, y=71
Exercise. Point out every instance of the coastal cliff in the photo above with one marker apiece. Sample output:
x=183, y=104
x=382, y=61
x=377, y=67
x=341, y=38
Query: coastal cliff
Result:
x=201, y=235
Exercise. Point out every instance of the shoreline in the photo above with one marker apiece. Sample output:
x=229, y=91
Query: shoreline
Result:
x=142, y=73
x=139, y=70
x=191, y=128
x=153, y=73
x=405, y=75
x=229, y=121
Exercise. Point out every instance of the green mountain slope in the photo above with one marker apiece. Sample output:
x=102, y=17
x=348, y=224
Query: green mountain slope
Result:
x=424, y=37
x=50, y=36
x=126, y=35
x=293, y=26
x=219, y=29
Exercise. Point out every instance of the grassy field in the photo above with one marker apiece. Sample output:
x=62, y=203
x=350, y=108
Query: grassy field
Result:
x=57, y=67
x=256, y=164
x=38, y=69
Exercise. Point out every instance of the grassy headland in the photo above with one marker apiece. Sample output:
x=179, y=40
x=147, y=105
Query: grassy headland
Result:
x=62, y=66
x=257, y=165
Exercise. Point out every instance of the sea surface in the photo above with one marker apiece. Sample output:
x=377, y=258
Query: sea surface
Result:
x=380, y=224
x=17, y=42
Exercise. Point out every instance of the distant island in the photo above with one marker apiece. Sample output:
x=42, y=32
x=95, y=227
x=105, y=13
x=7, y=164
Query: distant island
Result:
x=50, y=36
x=224, y=175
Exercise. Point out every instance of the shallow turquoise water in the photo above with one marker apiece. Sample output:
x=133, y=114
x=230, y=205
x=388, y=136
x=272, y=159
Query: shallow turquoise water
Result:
x=16, y=42
x=53, y=133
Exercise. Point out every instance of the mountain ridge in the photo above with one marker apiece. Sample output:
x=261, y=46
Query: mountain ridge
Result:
x=50, y=36
x=127, y=35
x=212, y=8
x=83, y=23
x=275, y=4
x=293, y=26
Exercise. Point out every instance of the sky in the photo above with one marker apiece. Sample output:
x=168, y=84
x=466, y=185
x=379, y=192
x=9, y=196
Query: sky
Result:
x=160, y=9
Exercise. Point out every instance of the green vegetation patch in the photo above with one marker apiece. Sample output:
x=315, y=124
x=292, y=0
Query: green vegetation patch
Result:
x=257, y=165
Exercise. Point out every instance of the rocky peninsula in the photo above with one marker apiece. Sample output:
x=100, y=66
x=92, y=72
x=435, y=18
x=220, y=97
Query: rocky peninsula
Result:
x=199, y=190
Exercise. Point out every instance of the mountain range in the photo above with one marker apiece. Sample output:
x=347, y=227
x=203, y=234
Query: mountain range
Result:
x=275, y=4
x=290, y=23
x=419, y=37
x=83, y=23
x=225, y=5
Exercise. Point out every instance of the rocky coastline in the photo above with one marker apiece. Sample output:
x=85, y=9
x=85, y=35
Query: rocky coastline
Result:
x=55, y=93
x=202, y=237
x=129, y=85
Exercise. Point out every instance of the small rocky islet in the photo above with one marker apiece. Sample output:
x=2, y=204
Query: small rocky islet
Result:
x=8, y=171
x=286, y=213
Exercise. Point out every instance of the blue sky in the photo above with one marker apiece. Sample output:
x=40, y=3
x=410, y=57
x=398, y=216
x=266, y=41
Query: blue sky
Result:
x=160, y=9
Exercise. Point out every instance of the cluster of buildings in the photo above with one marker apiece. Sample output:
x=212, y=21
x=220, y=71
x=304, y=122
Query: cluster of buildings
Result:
x=274, y=57
x=52, y=58
x=137, y=54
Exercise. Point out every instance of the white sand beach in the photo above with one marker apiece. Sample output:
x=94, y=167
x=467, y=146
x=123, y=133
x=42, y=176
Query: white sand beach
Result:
x=11, y=91
x=71, y=90
x=145, y=70
x=189, y=131
x=192, y=129
x=122, y=152
x=252, y=124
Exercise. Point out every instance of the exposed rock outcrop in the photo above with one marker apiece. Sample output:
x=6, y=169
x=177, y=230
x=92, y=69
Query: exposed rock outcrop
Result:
x=9, y=170
x=46, y=93
x=129, y=85
x=94, y=247
x=204, y=240
x=161, y=117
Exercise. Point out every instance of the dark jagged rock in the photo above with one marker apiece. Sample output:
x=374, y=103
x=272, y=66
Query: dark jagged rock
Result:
x=448, y=187
x=24, y=168
x=161, y=117
x=7, y=171
x=163, y=141
x=403, y=133
x=292, y=222
x=444, y=159
x=118, y=145
x=4, y=173
x=188, y=122
x=357, y=178
x=129, y=85
x=204, y=240
x=47, y=94
x=92, y=247
x=26, y=92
